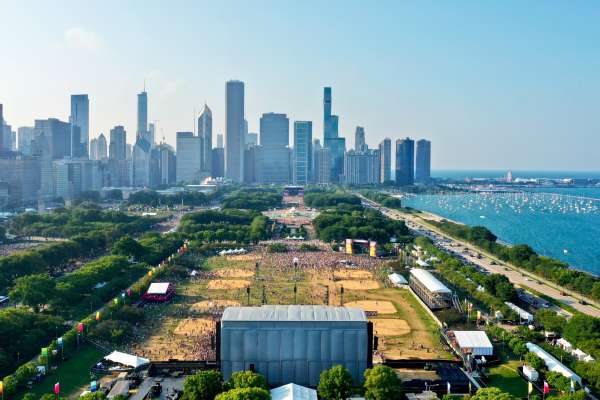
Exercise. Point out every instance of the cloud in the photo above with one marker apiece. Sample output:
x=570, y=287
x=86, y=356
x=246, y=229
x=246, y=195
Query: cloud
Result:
x=80, y=38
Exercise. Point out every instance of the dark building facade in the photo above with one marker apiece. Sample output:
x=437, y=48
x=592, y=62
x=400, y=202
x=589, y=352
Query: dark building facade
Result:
x=405, y=162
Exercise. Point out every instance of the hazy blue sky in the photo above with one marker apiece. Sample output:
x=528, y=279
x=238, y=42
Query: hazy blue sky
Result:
x=493, y=84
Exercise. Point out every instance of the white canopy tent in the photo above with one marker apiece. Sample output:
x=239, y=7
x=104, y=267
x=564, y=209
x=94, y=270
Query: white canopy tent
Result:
x=397, y=279
x=475, y=342
x=158, y=288
x=291, y=391
x=126, y=359
x=552, y=363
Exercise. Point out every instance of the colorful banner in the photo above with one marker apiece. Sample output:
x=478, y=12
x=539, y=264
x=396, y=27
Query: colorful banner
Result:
x=45, y=351
x=57, y=388
x=373, y=249
x=349, y=249
x=97, y=315
x=80, y=327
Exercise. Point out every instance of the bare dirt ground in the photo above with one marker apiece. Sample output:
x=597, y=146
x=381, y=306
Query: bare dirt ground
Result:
x=352, y=274
x=234, y=273
x=195, y=327
x=378, y=306
x=390, y=327
x=358, y=284
x=226, y=284
x=207, y=306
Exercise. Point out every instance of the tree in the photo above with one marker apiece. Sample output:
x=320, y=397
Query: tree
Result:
x=127, y=246
x=249, y=393
x=335, y=383
x=205, y=385
x=29, y=396
x=247, y=379
x=94, y=396
x=491, y=393
x=578, y=395
x=534, y=361
x=33, y=290
x=558, y=381
x=25, y=372
x=382, y=383
x=551, y=321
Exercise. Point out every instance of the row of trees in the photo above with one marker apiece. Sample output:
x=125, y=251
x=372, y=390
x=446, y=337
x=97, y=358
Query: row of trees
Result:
x=152, y=198
x=381, y=383
x=358, y=223
x=329, y=198
x=226, y=225
x=253, y=199
x=523, y=256
x=384, y=199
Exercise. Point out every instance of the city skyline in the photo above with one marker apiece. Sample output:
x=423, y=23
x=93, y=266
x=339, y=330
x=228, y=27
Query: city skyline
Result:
x=411, y=81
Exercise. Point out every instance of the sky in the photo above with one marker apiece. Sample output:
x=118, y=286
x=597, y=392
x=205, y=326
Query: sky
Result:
x=493, y=85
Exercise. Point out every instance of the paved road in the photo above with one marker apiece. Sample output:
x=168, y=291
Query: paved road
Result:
x=469, y=252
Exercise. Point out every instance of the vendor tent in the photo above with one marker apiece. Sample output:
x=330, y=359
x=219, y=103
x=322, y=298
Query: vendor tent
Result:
x=397, y=279
x=128, y=360
x=291, y=391
x=552, y=363
x=476, y=343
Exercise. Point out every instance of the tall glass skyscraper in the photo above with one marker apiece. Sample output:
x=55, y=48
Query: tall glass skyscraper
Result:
x=359, y=139
x=142, y=114
x=405, y=162
x=385, y=157
x=234, y=130
x=118, y=143
x=331, y=141
x=274, y=157
x=80, y=117
x=303, y=152
x=423, y=164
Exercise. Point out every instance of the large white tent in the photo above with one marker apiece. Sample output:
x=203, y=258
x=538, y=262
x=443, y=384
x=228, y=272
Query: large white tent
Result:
x=126, y=359
x=158, y=288
x=291, y=391
x=552, y=363
x=397, y=279
x=475, y=342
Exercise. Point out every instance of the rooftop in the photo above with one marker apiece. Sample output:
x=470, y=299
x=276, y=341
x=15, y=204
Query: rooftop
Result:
x=294, y=313
x=429, y=281
x=472, y=339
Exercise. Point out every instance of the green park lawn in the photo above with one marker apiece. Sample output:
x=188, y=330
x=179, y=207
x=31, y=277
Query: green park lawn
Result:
x=506, y=377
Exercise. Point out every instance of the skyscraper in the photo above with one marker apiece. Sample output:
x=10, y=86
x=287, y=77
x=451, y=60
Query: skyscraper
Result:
x=359, y=139
x=303, y=153
x=141, y=155
x=234, y=130
x=205, y=132
x=274, y=166
x=94, y=149
x=220, y=141
x=80, y=117
x=405, y=162
x=151, y=134
x=335, y=144
x=102, y=152
x=361, y=167
x=142, y=114
x=218, y=162
x=168, y=164
x=118, y=143
x=385, y=157
x=1, y=127
x=189, y=161
x=26, y=136
x=423, y=162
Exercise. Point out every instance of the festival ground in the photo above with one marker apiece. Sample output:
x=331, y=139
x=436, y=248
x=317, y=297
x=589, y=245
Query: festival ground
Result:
x=184, y=328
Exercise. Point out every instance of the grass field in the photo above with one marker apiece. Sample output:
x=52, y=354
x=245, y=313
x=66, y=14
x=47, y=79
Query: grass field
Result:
x=73, y=374
x=506, y=377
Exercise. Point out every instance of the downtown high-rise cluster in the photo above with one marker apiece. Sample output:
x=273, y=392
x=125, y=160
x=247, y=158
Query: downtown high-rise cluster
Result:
x=54, y=159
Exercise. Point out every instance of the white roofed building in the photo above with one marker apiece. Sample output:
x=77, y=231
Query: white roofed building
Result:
x=475, y=343
x=552, y=363
x=524, y=316
x=433, y=292
x=397, y=280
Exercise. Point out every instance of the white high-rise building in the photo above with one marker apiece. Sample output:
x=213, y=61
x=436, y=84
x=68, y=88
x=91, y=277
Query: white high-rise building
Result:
x=234, y=130
x=385, y=158
x=205, y=133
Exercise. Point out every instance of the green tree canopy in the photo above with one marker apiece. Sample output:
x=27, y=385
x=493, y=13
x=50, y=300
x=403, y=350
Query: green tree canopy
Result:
x=335, y=383
x=249, y=393
x=534, y=361
x=205, y=385
x=382, y=383
x=33, y=290
x=94, y=396
x=247, y=379
x=129, y=247
x=491, y=393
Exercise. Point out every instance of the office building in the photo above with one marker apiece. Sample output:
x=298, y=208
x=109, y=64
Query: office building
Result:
x=361, y=167
x=220, y=141
x=118, y=143
x=142, y=115
x=141, y=162
x=303, y=153
x=189, y=157
x=26, y=135
x=80, y=117
x=102, y=153
x=252, y=163
x=274, y=165
x=94, y=149
x=359, y=139
x=234, y=130
x=21, y=180
x=205, y=132
x=405, y=162
x=1, y=127
x=423, y=162
x=168, y=164
x=251, y=139
x=218, y=162
x=323, y=165
x=331, y=140
x=385, y=158
x=56, y=139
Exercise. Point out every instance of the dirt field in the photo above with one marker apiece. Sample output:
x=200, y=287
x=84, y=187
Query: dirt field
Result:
x=243, y=257
x=220, y=284
x=352, y=274
x=358, y=284
x=234, y=273
x=381, y=307
x=207, y=306
x=390, y=327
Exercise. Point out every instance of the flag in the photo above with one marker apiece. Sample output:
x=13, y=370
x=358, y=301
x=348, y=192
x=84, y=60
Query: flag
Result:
x=572, y=386
x=470, y=389
x=45, y=351
x=56, y=388
x=546, y=388
x=80, y=327
x=1, y=388
x=97, y=315
x=529, y=387
x=129, y=292
x=448, y=387
x=116, y=300
x=59, y=341
x=478, y=315
x=93, y=386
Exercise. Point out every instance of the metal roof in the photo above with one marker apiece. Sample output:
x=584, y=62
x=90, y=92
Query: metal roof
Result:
x=552, y=363
x=294, y=313
x=158, y=288
x=291, y=391
x=472, y=339
x=397, y=279
x=429, y=281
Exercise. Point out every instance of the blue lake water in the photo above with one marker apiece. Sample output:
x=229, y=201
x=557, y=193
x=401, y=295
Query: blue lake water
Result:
x=555, y=223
